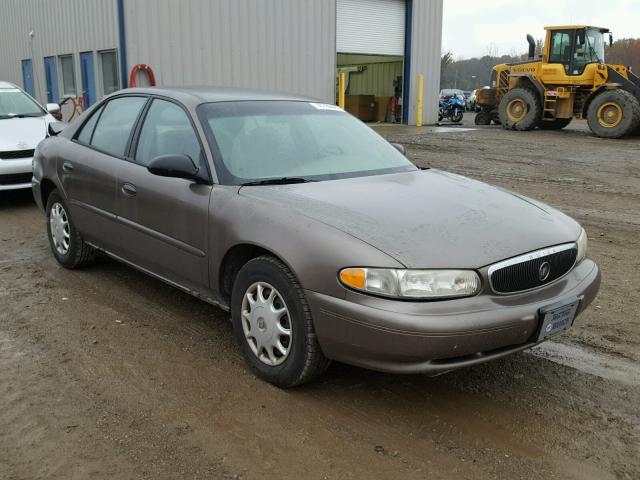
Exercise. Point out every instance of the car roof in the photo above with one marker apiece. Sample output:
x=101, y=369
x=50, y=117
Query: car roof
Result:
x=7, y=85
x=197, y=95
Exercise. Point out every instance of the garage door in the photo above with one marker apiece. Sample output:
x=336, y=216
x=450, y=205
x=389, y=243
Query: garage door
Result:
x=374, y=27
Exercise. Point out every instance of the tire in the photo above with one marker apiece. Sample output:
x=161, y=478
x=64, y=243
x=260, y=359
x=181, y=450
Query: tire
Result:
x=557, y=124
x=303, y=360
x=520, y=109
x=614, y=114
x=483, y=118
x=457, y=116
x=67, y=245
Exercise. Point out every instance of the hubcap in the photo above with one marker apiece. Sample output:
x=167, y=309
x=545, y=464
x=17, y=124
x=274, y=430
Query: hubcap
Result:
x=59, y=223
x=517, y=109
x=609, y=115
x=266, y=323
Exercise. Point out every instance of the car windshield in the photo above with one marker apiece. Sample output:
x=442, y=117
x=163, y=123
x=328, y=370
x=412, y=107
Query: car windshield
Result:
x=14, y=103
x=262, y=140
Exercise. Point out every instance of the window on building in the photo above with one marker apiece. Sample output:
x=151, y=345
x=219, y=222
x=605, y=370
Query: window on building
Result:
x=109, y=67
x=167, y=130
x=68, y=76
x=114, y=126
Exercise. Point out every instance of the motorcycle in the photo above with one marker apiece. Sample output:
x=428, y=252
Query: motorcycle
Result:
x=451, y=108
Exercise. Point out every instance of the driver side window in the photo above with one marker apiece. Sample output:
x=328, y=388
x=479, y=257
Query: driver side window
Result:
x=167, y=130
x=561, y=44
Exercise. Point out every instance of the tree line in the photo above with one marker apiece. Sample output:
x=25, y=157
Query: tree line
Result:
x=472, y=73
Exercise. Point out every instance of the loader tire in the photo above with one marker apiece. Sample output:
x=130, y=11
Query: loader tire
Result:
x=614, y=114
x=520, y=109
x=557, y=124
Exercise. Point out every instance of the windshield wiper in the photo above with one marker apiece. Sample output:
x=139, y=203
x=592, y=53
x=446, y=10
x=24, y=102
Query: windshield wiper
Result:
x=277, y=181
x=21, y=115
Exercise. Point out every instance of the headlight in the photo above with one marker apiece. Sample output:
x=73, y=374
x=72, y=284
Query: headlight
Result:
x=412, y=284
x=582, y=246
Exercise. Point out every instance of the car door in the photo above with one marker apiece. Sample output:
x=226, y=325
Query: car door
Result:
x=88, y=169
x=165, y=220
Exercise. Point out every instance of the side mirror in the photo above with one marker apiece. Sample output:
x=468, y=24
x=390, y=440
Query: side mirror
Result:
x=54, y=128
x=53, y=108
x=176, y=166
x=400, y=148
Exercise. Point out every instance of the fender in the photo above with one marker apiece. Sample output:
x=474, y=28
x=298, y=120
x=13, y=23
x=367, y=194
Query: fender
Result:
x=528, y=78
x=615, y=82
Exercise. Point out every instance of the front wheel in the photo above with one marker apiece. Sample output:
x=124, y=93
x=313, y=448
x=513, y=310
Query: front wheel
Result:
x=456, y=117
x=67, y=245
x=272, y=322
x=614, y=114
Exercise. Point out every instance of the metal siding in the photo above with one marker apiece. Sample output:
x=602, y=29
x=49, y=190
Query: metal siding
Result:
x=285, y=45
x=61, y=27
x=426, y=44
x=371, y=26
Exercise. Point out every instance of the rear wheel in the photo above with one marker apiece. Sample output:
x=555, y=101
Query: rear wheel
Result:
x=67, y=244
x=272, y=322
x=483, y=118
x=557, y=124
x=614, y=114
x=520, y=109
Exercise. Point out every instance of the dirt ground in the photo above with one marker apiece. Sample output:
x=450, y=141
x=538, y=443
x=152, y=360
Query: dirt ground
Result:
x=107, y=373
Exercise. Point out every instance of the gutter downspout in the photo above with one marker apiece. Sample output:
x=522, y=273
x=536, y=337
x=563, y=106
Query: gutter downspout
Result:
x=406, y=88
x=123, y=44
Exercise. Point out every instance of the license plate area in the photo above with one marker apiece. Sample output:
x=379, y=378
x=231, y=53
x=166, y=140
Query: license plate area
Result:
x=556, y=318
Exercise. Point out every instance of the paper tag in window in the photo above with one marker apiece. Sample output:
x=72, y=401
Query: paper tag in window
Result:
x=326, y=106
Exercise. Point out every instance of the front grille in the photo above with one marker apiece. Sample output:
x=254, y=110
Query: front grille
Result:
x=526, y=271
x=15, y=178
x=17, y=154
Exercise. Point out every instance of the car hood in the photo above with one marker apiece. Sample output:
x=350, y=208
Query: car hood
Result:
x=22, y=133
x=427, y=219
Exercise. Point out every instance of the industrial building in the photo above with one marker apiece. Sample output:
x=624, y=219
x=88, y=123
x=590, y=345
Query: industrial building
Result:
x=81, y=50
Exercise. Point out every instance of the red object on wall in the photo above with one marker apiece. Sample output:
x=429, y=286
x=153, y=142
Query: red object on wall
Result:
x=141, y=67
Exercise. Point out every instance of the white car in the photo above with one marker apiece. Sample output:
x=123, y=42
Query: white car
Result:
x=23, y=124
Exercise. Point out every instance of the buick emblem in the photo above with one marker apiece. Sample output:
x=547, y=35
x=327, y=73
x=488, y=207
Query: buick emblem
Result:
x=544, y=271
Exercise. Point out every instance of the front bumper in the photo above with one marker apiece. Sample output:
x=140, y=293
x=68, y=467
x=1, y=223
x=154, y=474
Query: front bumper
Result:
x=436, y=337
x=15, y=174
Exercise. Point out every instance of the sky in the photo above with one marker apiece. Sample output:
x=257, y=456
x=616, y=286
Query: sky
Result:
x=474, y=28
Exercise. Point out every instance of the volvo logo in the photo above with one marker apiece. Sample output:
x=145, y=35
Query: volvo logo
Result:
x=544, y=271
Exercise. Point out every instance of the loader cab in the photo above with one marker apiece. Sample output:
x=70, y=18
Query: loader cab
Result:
x=574, y=47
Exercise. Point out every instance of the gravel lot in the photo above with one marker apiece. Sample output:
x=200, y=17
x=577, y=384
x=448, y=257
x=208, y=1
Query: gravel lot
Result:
x=107, y=373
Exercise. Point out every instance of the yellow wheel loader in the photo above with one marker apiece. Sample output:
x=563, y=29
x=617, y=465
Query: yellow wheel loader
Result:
x=569, y=80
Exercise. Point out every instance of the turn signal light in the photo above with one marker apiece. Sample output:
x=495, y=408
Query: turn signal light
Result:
x=354, y=277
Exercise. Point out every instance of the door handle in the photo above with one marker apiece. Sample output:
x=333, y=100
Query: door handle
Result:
x=67, y=166
x=129, y=190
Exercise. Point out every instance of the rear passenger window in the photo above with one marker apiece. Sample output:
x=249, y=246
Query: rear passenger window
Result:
x=87, y=128
x=166, y=130
x=115, y=124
